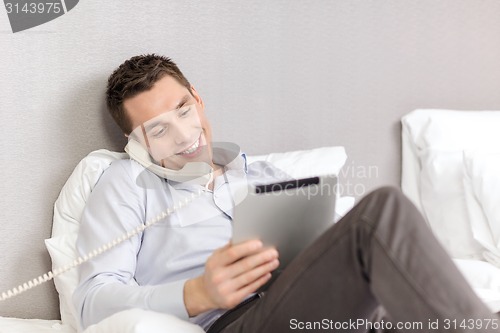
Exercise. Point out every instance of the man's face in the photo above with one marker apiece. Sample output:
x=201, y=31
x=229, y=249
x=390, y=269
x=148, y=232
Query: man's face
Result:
x=170, y=123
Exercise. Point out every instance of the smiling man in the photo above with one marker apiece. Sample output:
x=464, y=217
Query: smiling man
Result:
x=380, y=253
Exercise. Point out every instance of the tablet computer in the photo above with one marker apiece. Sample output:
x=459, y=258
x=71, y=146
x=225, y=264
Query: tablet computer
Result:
x=289, y=215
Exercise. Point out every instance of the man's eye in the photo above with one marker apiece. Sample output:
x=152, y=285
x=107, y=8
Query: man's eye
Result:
x=158, y=133
x=184, y=111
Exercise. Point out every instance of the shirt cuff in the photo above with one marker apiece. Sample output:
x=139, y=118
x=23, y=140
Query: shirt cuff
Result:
x=169, y=298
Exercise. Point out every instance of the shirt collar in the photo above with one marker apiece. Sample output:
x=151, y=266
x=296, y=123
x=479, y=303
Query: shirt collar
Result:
x=226, y=154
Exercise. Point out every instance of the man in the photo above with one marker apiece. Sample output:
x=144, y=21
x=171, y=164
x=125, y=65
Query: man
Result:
x=380, y=253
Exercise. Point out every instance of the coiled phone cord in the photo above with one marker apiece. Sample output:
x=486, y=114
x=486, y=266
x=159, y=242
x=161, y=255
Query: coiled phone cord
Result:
x=101, y=249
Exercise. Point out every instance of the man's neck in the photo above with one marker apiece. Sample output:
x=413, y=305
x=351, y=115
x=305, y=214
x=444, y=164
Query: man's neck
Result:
x=218, y=170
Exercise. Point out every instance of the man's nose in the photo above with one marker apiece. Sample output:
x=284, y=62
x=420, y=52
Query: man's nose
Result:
x=181, y=134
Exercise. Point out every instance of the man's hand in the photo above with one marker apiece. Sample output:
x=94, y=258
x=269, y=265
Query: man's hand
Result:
x=231, y=273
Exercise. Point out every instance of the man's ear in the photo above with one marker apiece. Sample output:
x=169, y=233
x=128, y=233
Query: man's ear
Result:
x=197, y=96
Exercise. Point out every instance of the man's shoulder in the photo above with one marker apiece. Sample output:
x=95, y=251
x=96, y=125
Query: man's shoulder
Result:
x=127, y=171
x=123, y=168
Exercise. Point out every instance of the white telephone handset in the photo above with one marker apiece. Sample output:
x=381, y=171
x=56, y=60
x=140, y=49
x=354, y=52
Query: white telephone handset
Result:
x=193, y=172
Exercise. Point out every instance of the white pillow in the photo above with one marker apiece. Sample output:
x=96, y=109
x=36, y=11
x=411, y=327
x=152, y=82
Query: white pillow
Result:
x=482, y=181
x=307, y=163
x=71, y=202
x=445, y=130
x=443, y=202
x=433, y=141
x=410, y=167
x=452, y=130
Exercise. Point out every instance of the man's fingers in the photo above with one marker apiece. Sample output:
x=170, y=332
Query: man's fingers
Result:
x=235, y=284
x=249, y=277
x=232, y=253
x=249, y=263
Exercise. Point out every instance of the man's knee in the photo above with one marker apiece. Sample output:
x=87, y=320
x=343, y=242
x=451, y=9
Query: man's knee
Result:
x=387, y=192
x=388, y=205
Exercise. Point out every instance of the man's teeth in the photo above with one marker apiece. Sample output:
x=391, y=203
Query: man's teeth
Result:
x=191, y=149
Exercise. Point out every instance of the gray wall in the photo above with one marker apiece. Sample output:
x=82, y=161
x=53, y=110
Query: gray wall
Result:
x=275, y=75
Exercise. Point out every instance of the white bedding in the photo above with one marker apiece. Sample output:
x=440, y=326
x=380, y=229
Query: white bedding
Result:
x=433, y=174
x=484, y=279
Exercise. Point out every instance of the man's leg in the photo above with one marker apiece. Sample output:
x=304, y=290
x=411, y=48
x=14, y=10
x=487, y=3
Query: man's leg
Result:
x=381, y=252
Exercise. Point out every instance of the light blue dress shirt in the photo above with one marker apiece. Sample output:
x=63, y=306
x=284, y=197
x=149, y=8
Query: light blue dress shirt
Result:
x=149, y=270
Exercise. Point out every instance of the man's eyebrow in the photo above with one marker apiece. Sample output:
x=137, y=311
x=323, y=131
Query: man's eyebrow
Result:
x=182, y=102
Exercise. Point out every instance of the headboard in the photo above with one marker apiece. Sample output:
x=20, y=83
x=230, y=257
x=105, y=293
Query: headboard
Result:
x=275, y=76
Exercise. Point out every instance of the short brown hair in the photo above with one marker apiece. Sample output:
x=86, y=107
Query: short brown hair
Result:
x=136, y=75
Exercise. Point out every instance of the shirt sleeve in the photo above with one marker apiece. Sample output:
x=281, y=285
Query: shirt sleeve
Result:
x=106, y=283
